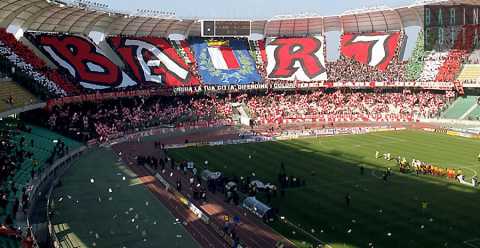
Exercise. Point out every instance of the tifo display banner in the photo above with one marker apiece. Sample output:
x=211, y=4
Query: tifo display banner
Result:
x=224, y=62
x=83, y=60
x=374, y=49
x=300, y=59
x=153, y=60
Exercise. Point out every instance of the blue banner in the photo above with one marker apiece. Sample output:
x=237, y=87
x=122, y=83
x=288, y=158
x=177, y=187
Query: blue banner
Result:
x=208, y=69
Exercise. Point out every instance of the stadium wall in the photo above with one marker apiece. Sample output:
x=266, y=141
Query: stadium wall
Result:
x=451, y=122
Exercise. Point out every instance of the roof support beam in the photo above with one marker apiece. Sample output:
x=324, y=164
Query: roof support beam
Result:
x=419, y=19
x=323, y=26
x=140, y=26
x=167, y=31
x=93, y=23
x=400, y=18
x=265, y=28
x=308, y=26
x=342, y=25
x=386, y=22
x=293, y=29
x=371, y=22
x=187, y=32
x=128, y=24
x=356, y=21
x=279, y=27
x=155, y=26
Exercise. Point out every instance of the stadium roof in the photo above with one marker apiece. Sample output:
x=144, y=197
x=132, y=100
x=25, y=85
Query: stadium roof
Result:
x=50, y=16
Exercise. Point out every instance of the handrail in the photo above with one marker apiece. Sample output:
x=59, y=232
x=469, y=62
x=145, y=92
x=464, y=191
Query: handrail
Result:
x=51, y=172
x=22, y=109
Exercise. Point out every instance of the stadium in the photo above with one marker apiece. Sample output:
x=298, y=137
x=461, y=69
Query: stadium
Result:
x=144, y=129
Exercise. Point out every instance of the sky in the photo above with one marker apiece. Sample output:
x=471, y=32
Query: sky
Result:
x=249, y=8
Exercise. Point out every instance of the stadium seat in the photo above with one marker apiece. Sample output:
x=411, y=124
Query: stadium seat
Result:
x=469, y=72
x=21, y=96
x=42, y=150
x=6, y=242
x=460, y=108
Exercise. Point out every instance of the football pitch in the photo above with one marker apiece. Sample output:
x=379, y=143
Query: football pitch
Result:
x=407, y=210
x=102, y=203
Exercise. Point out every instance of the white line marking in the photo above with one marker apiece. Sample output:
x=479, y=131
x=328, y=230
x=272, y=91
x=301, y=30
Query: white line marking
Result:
x=470, y=110
x=469, y=242
x=388, y=137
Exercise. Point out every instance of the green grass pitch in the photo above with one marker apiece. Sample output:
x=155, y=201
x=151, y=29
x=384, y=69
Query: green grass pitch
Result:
x=88, y=215
x=382, y=214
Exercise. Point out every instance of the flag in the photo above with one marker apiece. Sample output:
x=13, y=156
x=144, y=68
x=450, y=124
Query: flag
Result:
x=374, y=49
x=223, y=58
x=224, y=62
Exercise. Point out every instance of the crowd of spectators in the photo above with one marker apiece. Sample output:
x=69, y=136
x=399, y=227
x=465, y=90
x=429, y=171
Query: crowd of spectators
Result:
x=257, y=49
x=114, y=118
x=444, y=57
x=13, y=153
x=21, y=160
x=344, y=106
x=438, y=65
x=432, y=62
x=474, y=57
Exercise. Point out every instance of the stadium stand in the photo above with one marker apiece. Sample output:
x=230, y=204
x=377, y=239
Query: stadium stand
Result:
x=25, y=60
x=257, y=48
x=12, y=95
x=474, y=115
x=432, y=62
x=474, y=57
x=340, y=106
x=152, y=62
x=186, y=51
x=470, y=72
x=444, y=62
x=460, y=108
x=111, y=119
x=80, y=58
x=6, y=242
x=155, y=60
x=25, y=151
x=453, y=61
